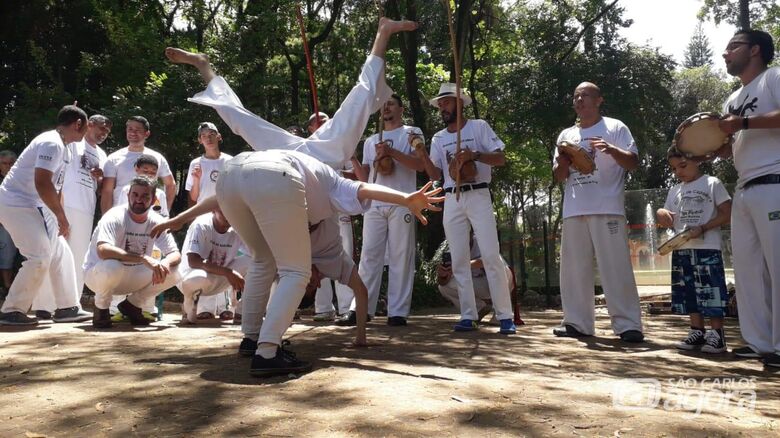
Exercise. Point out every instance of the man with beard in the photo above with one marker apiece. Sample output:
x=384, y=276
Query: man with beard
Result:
x=474, y=211
x=594, y=222
x=389, y=228
x=83, y=178
x=754, y=119
x=33, y=215
x=120, y=259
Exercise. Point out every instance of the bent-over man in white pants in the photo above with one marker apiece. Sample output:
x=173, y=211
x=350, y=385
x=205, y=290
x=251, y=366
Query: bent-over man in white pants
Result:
x=83, y=178
x=120, y=259
x=211, y=263
x=34, y=217
x=594, y=223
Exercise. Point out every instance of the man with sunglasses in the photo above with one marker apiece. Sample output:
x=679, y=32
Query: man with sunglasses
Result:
x=753, y=116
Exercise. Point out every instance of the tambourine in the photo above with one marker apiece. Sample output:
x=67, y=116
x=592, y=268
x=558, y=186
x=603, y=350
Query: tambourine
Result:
x=699, y=136
x=675, y=242
x=468, y=171
x=581, y=158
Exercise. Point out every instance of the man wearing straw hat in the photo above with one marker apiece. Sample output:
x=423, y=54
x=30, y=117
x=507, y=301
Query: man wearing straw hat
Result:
x=472, y=207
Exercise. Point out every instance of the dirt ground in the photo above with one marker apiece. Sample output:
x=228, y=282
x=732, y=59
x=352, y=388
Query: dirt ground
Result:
x=419, y=380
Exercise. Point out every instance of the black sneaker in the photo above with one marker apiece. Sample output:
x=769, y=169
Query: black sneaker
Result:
x=695, y=339
x=17, y=318
x=746, y=353
x=284, y=362
x=568, y=331
x=772, y=360
x=101, y=319
x=715, y=342
x=248, y=347
x=135, y=314
x=634, y=336
x=71, y=314
x=350, y=319
x=396, y=321
x=42, y=314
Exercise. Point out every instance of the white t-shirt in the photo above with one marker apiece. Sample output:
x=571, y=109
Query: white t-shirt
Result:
x=601, y=192
x=121, y=165
x=403, y=178
x=80, y=190
x=46, y=151
x=160, y=204
x=326, y=191
x=204, y=240
x=476, y=135
x=210, y=169
x=696, y=203
x=118, y=229
x=756, y=151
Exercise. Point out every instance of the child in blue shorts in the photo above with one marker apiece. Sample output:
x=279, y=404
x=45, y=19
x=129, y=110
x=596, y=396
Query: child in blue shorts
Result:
x=701, y=204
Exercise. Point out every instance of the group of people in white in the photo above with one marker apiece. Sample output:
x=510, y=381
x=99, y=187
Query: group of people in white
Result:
x=250, y=214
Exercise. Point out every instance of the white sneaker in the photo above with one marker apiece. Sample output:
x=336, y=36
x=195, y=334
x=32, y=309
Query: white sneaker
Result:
x=714, y=343
x=325, y=316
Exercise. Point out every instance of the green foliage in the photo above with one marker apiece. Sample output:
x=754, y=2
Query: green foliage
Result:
x=698, y=52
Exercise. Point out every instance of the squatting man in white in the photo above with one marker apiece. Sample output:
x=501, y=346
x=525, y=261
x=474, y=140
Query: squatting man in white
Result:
x=120, y=259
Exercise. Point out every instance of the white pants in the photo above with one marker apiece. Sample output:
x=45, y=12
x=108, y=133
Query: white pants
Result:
x=35, y=233
x=323, y=299
x=475, y=211
x=755, y=241
x=334, y=142
x=110, y=277
x=265, y=202
x=606, y=237
x=206, y=288
x=78, y=241
x=388, y=230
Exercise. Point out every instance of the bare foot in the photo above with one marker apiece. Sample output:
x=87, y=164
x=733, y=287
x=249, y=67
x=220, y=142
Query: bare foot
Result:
x=390, y=27
x=198, y=60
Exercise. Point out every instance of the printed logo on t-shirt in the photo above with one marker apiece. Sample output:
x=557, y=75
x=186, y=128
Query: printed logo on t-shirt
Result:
x=87, y=163
x=691, y=206
x=774, y=215
x=45, y=157
x=407, y=218
x=742, y=109
x=214, y=175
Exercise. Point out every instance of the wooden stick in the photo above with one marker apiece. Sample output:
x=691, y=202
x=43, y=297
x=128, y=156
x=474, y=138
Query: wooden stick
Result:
x=459, y=102
x=309, y=67
x=381, y=120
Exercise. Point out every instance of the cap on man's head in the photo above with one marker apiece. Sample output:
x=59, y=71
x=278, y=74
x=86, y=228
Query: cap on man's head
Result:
x=448, y=89
x=322, y=115
x=207, y=125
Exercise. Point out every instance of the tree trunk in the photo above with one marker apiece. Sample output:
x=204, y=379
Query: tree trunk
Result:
x=744, y=14
x=409, y=45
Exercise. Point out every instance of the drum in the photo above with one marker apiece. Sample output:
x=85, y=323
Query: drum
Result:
x=699, y=136
x=581, y=158
x=675, y=242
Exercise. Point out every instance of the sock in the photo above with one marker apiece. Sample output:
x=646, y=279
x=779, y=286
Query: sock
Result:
x=266, y=351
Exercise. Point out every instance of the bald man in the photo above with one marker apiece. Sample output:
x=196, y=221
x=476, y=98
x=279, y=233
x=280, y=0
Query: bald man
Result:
x=594, y=222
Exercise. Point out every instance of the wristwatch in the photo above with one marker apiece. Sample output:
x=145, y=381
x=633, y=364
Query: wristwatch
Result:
x=477, y=155
x=745, y=122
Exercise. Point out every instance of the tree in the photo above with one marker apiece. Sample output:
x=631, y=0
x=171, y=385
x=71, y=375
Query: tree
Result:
x=741, y=13
x=698, y=52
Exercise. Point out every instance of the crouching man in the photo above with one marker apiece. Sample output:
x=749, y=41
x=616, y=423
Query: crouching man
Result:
x=212, y=262
x=120, y=259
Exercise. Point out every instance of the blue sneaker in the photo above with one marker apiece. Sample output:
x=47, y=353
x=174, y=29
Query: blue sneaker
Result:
x=507, y=327
x=465, y=325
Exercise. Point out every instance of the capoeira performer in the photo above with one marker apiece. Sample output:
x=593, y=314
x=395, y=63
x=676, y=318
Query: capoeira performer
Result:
x=474, y=210
x=214, y=259
x=34, y=217
x=754, y=119
x=119, y=169
x=389, y=229
x=323, y=298
x=201, y=183
x=594, y=221
x=293, y=183
x=120, y=259
x=83, y=177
